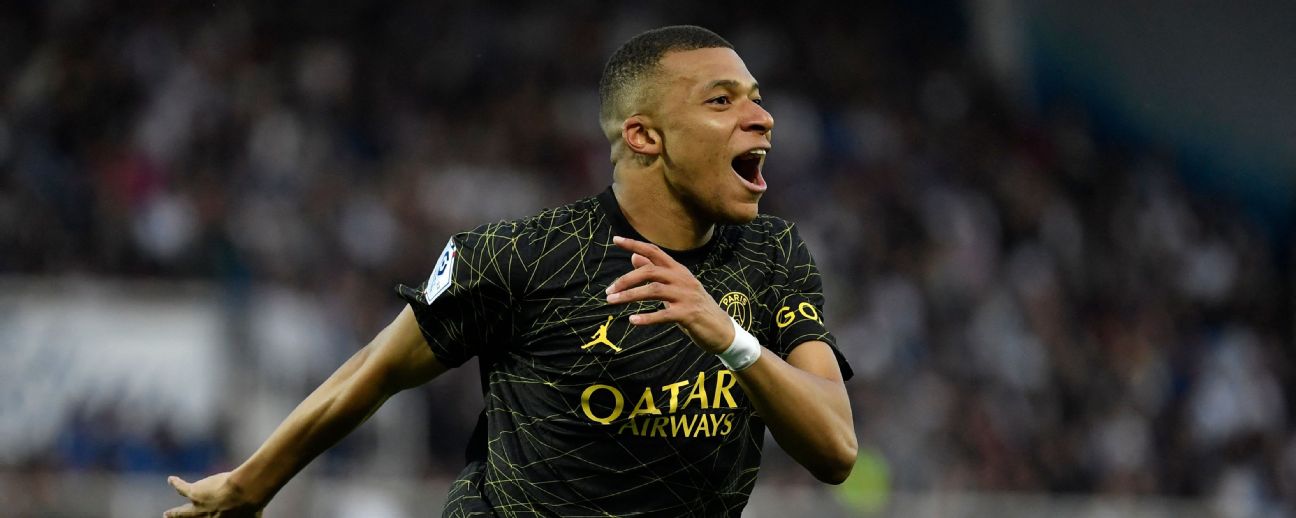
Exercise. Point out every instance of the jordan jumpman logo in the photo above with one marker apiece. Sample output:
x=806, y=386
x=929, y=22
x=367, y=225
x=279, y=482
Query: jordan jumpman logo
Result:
x=600, y=337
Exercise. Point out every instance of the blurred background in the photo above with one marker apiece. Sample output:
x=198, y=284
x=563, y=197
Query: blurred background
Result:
x=1056, y=237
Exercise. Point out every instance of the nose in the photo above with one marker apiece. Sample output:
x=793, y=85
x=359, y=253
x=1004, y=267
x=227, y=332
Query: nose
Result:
x=758, y=119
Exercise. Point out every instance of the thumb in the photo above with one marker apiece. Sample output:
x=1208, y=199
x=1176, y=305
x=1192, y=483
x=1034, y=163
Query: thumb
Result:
x=639, y=261
x=180, y=485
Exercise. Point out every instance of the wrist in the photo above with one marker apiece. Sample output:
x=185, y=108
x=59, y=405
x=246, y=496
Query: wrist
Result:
x=241, y=486
x=742, y=352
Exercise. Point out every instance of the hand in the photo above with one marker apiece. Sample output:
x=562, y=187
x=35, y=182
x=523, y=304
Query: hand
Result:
x=212, y=497
x=658, y=277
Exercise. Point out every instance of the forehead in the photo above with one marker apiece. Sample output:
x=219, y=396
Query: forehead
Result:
x=694, y=69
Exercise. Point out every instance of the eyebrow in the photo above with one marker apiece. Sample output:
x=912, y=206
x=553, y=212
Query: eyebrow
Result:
x=729, y=84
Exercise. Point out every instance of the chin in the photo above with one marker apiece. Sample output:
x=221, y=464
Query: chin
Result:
x=738, y=214
x=724, y=210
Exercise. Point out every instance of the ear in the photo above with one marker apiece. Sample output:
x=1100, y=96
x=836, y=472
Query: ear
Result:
x=640, y=136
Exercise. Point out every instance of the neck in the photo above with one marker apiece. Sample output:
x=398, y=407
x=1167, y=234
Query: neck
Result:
x=654, y=210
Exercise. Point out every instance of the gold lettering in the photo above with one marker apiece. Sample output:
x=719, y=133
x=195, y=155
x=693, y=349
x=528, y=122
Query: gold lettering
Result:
x=692, y=426
x=617, y=407
x=681, y=424
x=722, y=388
x=630, y=423
x=715, y=423
x=785, y=317
x=674, y=391
x=703, y=429
x=698, y=392
x=659, y=427
x=808, y=310
x=646, y=405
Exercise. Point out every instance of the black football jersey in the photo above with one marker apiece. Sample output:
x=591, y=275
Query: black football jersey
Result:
x=586, y=414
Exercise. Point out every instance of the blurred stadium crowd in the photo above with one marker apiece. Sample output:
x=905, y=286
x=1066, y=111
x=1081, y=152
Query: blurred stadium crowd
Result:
x=1029, y=306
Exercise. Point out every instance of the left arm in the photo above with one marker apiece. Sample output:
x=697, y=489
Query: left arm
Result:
x=803, y=400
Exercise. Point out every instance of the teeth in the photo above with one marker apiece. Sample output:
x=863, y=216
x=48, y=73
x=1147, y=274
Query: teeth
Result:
x=758, y=152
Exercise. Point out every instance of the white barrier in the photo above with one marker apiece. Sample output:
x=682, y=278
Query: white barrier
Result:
x=110, y=496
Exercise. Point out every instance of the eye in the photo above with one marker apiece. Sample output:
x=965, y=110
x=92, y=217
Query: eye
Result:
x=722, y=100
x=759, y=101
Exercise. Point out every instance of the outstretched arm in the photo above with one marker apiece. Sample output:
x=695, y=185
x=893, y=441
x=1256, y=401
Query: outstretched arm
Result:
x=803, y=400
x=397, y=359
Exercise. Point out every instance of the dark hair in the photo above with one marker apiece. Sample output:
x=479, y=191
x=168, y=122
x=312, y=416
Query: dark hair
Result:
x=639, y=56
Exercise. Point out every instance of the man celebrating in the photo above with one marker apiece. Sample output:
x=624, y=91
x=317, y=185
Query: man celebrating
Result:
x=706, y=321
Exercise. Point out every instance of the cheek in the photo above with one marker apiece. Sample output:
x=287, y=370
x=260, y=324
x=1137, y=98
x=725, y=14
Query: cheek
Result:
x=701, y=151
x=711, y=143
x=715, y=134
x=705, y=135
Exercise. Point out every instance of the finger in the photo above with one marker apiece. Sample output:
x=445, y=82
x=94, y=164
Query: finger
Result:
x=638, y=277
x=184, y=511
x=650, y=251
x=650, y=291
x=661, y=316
x=180, y=485
x=639, y=261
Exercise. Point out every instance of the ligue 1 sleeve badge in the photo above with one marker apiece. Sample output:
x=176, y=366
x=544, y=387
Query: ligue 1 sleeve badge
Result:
x=736, y=305
x=442, y=275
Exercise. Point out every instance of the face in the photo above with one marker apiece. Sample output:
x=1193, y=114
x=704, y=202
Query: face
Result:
x=714, y=133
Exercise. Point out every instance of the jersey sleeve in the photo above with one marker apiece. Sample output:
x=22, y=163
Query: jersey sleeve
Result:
x=463, y=308
x=799, y=311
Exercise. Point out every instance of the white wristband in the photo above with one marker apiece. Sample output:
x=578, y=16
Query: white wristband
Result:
x=743, y=352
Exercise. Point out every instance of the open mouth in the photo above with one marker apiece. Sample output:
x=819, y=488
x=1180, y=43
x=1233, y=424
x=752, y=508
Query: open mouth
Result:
x=748, y=166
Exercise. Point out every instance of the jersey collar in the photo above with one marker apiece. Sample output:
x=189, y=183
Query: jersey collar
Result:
x=621, y=227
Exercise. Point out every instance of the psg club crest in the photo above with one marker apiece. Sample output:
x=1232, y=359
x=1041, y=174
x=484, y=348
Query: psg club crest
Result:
x=736, y=305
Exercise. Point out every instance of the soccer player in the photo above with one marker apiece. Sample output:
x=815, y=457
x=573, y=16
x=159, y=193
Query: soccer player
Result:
x=634, y=345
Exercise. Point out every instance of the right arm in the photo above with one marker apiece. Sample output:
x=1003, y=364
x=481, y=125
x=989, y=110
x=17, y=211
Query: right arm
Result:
x=397, y=359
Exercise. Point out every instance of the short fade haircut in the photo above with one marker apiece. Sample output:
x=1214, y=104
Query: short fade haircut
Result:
x=637, y=59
